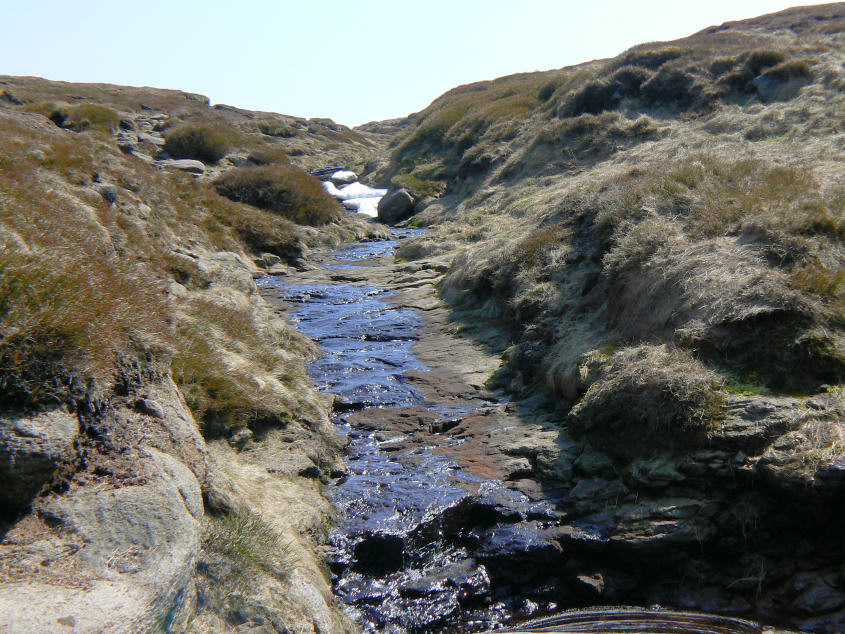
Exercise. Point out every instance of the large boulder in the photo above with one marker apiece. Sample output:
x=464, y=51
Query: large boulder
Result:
x=32, y=450
x=395, y=206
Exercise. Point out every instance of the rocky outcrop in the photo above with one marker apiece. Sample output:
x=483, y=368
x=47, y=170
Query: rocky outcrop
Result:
x=115, y=545
x=137, y=546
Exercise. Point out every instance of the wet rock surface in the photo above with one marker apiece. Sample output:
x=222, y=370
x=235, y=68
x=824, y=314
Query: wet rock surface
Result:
x=465, y=512
x=432, y=538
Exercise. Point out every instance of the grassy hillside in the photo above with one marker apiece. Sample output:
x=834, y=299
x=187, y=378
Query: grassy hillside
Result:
x=655, y=244
x=122, y=274
x=93, y=288
x=683, y=197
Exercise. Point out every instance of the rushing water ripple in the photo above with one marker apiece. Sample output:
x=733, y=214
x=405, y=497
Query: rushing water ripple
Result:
x=402, y=560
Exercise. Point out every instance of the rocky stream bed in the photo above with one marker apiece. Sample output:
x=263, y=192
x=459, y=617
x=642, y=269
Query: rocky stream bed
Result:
x=465, y=512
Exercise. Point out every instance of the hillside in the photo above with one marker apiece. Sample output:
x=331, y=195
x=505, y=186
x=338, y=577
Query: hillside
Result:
x=652, y=245
x=654, y=242
x=684, y=194
x=161, y=442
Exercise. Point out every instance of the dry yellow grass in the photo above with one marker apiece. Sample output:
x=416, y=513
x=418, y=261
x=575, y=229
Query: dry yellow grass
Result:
x=93, y=292
x=685, y=194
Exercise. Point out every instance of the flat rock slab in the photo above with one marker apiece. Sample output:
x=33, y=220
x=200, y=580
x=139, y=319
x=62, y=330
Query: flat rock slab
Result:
x=186, y=165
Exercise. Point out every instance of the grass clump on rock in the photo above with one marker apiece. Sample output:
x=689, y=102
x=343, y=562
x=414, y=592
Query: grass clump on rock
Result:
x=283, y=189
x=249, y=544
x=202, y=143
x=647, y=395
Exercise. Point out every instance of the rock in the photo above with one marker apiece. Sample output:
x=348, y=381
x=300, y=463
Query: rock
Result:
x=32, y=450
x=649, y=525
x=241, y=438
x=127, y=124
x=343, y=177
x=267, y=260
x=127, y=142
x=395, y=206
x=593, y=463
x=772, y=89
x=749, y=424
x=499, y=504
x=149, y=407
x=590, y=586
x=379, y=553
x=830, y=476
x=108, y=192
x=219, y=494
x=518, y=552
x=135, y=548
x=153, y=139
x=186, y=165
x=818, y=598
x=227, y=269
x=655, y=473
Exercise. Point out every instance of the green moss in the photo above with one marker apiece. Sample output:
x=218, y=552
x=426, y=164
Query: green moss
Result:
x=745, y=383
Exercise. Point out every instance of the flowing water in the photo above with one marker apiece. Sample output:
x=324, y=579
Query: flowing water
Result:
x=408, y=556
x=424, y=545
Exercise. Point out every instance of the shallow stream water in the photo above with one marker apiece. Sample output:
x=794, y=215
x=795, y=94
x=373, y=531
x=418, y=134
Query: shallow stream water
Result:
x=424, y=545
x=408, y=556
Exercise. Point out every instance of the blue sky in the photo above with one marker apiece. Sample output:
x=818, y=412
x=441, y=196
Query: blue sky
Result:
x=351, y=61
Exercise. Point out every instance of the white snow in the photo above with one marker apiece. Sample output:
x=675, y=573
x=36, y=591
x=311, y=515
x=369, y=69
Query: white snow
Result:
x=344, y=175
x=358, y=190
x=330, y=187
x=366, y=206
x=357, y=197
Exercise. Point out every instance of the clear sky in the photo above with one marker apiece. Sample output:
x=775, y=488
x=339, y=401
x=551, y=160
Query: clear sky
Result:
x=353, y=61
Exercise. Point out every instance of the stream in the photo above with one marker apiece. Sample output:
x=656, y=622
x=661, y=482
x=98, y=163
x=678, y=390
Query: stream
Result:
x=426, y=543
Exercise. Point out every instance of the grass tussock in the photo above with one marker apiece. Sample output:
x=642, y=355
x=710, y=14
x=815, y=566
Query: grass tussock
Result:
x=69, y=303
x=282, y=189
x=201, y=142
x=646, y=396
x=276, y=129
x=245, y=546
x=269, y=155
x=66, y=325
x=242, y=558
x=93, y=116
x=572, y=142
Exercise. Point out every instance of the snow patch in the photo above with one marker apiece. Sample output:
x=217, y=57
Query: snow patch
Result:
x=357, y=197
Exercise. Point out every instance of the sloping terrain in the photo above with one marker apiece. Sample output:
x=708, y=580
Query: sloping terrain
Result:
x=162, y=448
x=655, y=243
